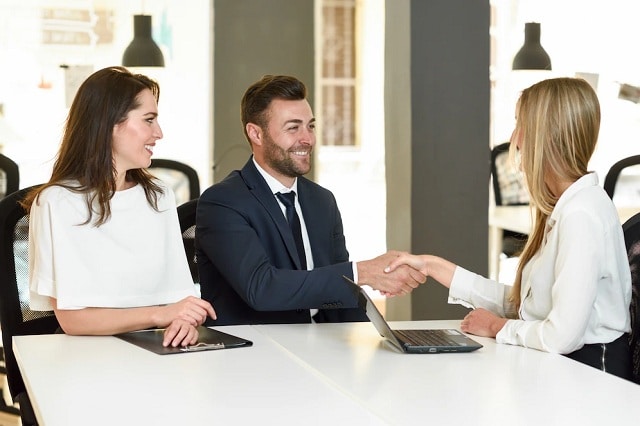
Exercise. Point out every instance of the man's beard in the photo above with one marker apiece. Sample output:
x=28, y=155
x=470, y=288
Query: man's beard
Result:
x=281, y=160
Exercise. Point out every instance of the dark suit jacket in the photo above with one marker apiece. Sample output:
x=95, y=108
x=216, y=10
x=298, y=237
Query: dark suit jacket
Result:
x=248, y=262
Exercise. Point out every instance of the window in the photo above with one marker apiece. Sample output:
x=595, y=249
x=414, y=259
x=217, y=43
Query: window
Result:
x=338, y=73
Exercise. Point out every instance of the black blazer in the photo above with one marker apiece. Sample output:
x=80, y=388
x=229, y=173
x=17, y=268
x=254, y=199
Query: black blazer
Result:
x=247, y=258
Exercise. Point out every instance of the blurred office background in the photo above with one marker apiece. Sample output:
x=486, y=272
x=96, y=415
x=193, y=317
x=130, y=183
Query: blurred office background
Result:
x=48, y=46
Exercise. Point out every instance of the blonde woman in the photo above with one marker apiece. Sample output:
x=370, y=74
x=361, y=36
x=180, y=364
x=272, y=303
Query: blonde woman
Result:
x=573, y=286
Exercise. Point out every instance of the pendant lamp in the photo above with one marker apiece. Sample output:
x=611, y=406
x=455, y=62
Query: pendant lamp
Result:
x=142, y=51
x=531, y=55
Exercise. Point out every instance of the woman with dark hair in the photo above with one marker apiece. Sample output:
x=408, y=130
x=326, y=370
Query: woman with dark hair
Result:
x=105, y=248
x=573, y=286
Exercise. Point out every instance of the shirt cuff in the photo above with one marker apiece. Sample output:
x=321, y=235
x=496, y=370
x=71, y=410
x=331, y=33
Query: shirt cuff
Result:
x=509, y=333
x=354, y=267
x=460, y=288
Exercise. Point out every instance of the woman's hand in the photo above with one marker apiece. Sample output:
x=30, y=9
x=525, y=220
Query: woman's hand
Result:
x=417, y=262
x=429, y=265
x=192, y=310
x=180, y=333
x=482, y=323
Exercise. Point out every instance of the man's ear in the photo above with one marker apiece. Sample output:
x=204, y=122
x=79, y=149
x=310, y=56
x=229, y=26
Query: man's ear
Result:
x=255, y=133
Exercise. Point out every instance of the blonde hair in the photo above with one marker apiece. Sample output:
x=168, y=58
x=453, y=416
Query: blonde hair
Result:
x=558, y=123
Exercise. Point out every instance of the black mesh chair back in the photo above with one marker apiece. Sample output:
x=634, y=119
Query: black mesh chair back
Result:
x=180, y=177
x=631, y=229
x=187, y=218
x=622, y=182
x=508, y=184
x=508, y=189
x=9, y=176
x=16, y=319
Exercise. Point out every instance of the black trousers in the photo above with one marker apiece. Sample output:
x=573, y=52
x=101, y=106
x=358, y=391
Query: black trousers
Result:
x=614, y=357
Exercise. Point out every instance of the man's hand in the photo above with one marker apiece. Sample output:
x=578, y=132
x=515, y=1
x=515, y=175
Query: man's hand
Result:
x=400, y=281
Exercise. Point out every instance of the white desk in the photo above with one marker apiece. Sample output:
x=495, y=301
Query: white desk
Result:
x=496, y=385
x=519, y=219
x=99, y=381
x=320, y=373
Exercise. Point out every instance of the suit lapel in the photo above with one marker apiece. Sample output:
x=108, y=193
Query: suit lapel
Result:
x=261, y=191
x=312, y=215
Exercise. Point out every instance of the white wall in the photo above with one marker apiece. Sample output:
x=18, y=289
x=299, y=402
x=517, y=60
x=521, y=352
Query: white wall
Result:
x=580, y=36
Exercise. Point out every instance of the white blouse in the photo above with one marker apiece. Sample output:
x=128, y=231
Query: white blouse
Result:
x=135, y=259
x=576, y=290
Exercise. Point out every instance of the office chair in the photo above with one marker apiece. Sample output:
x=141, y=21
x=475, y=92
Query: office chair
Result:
x=9, y=176
x=16, y=319
x=180, y=177
x=508, y=189
x=187, y=219
x=621, y=183
x=631, y=229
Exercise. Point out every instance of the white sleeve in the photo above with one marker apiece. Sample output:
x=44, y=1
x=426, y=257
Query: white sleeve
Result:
x=475, y=291
x=41, y=282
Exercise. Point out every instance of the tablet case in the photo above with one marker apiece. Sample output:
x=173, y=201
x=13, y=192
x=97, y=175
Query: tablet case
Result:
x=208, y=339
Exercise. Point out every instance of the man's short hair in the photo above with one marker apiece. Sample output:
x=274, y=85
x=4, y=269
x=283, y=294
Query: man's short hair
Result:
x=259, y=95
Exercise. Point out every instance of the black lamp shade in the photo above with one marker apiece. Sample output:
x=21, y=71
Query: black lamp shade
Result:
x=531, y=55
x=142, y=51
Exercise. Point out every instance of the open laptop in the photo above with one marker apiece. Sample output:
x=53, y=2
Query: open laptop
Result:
x=208, y=339
x=415, y=341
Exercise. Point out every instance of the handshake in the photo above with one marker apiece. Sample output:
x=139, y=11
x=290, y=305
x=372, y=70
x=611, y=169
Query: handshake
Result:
x=393, y=273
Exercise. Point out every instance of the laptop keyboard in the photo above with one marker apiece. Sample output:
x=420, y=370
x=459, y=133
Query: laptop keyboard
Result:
x=426, y=337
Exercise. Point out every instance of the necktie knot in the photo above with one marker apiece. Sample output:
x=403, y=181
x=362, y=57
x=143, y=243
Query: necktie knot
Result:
x=287, y=198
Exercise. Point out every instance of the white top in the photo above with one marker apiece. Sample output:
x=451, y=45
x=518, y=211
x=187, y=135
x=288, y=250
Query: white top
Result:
x=135, y=259
x=576, y=290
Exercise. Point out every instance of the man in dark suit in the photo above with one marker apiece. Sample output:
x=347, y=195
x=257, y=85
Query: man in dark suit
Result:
x=251, y=267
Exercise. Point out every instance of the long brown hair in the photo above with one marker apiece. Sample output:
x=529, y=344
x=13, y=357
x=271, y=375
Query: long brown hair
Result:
x=84, y=163
x=558, y=123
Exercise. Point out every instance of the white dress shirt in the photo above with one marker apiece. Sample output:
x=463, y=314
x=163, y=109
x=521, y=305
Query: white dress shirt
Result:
x=276, y=186
x=576, y=290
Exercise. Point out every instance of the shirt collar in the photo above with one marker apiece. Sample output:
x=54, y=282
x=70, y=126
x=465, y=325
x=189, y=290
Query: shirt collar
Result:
x=586, y=181
x=274, y=184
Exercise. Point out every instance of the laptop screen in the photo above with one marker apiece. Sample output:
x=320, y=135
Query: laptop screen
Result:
x=374, y=315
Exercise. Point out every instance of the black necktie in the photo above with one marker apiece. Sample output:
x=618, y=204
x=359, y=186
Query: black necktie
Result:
x=288, y=199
